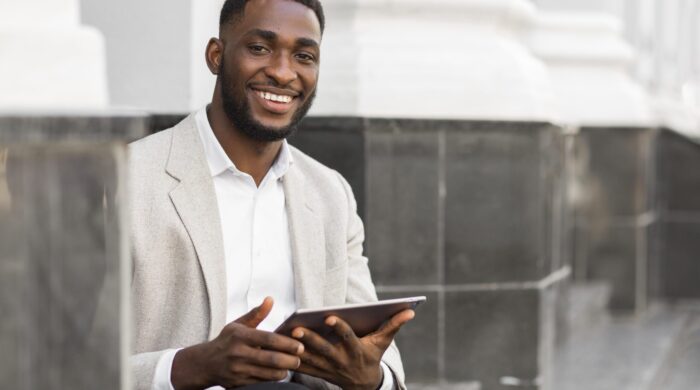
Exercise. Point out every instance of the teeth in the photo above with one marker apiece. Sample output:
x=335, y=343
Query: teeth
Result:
x=275, y=98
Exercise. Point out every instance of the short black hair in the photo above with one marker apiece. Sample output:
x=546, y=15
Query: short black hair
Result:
x=233, y=9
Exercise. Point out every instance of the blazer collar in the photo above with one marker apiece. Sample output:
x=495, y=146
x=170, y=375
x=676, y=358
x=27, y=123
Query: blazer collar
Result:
x=195, y=201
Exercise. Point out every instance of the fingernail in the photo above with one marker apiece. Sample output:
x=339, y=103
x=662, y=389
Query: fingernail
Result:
x=298, y=333
x=300, y=350
x=331, y=321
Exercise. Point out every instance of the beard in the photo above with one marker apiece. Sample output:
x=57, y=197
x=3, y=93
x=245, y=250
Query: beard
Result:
x=239, y=113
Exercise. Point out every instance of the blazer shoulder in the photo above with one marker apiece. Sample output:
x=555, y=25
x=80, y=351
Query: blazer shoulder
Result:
x=154, y=150
x=153, y=147
x=326, y=183
x=313, y=169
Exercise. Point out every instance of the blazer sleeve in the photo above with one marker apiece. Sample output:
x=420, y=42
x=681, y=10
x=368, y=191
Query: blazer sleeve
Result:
x=360, y=289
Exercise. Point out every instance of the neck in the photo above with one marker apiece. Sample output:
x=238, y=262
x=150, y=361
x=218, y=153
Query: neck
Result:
x=250, y=156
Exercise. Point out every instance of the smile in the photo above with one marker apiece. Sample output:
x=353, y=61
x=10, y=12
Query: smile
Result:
x=275, y=98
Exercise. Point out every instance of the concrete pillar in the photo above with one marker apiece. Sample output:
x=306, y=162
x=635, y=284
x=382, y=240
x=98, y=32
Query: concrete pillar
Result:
x=49, y=61
x=589, y=64
x=440, y=59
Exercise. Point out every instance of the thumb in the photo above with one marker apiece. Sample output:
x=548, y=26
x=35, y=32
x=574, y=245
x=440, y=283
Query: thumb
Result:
x=255, y=316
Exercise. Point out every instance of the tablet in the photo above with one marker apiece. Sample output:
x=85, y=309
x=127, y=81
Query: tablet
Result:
x=364, y=318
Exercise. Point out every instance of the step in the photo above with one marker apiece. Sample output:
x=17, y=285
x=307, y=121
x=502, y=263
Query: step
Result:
x=620, y=353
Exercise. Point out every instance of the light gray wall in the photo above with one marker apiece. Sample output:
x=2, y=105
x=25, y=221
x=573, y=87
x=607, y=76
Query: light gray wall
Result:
x=148, y=51
x=615, y=7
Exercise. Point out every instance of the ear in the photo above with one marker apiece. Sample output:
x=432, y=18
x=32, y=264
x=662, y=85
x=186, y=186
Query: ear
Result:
x=214, y=55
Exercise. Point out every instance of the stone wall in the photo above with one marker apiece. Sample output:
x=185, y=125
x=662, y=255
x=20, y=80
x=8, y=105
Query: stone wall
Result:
x=678, y=268
x=63, y=252
x=615, y=214
x=470, y=214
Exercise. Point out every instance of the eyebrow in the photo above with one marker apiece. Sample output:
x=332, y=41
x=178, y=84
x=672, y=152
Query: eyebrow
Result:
x=271, y=36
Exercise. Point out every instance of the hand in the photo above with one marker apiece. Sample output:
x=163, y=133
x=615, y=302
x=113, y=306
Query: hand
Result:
x=353, y=363
x=239, y=355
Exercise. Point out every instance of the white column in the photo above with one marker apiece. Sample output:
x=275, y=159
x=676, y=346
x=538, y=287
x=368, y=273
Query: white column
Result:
x=675, y=83
x=436, y=59
x=589, y=63
x=48, y=61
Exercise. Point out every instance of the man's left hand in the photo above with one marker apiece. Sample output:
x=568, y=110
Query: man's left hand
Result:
x=353, y=363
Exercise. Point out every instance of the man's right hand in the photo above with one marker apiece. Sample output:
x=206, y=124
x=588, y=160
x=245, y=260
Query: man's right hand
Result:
x=240, y=355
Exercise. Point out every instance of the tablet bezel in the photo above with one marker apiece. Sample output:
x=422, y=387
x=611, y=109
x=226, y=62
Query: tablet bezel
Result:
x=364, y=318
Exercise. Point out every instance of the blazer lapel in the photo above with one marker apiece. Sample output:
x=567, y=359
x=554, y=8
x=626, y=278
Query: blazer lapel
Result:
x=195, y=201
x=308, y=244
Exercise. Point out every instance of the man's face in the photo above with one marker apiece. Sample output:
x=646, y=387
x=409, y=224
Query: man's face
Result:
x=269, y=68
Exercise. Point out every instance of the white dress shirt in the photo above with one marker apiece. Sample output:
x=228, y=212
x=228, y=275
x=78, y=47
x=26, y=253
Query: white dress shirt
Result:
x=257, y=246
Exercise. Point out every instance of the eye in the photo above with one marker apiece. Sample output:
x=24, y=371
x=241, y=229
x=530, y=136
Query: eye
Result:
x=258, y=49
x=305, y=57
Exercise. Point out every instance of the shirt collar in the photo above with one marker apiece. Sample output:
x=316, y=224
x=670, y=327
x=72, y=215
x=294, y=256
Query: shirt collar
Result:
x=219, y=162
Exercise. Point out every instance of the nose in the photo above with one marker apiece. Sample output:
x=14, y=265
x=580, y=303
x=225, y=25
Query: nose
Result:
x=281, y=70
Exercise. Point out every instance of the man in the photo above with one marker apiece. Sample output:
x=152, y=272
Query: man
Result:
x=233, y=229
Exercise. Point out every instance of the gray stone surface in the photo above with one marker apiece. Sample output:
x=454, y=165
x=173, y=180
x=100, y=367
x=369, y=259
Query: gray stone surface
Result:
x=470, y=214
x=499, y=204
x=682, y=372
x=679, y=182
x=499, y=337
x=613, y=256
x=403, y=207
x=679, y=227
x=419, y=339
x=619, y=171
x=624, y=353
x=615, y=211
x=99, y=127
x=60, y=266
x=680, y=254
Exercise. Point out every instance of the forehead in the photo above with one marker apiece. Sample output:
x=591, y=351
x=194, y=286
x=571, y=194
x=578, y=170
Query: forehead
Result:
x=284, y=17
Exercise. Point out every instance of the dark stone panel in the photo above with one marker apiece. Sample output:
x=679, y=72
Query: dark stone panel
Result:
x=343, y=151
x=617, y=169
x=679, y=182
x=500, y=204
x=403, y=207
x=64, y=265
x=38, y=129
x=613, y=257
x=680, y=260
x=654, y=260
x=159, y=122
x=418, y=340
x=493, y=335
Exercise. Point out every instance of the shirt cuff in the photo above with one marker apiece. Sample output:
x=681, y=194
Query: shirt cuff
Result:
x=161, y=378
x=388, y=383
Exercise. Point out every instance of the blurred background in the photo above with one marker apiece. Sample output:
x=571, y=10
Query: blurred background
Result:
x=531, y=166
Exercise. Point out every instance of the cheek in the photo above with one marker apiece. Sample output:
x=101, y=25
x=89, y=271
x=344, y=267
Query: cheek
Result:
x=309, y=78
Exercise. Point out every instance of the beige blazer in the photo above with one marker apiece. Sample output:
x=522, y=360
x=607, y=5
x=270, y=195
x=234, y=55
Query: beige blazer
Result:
x=178, y=283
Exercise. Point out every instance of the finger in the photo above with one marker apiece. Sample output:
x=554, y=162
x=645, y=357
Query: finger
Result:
x=346, y=334
x=314, y=371
x=265, y=373
x=316, y=343
x=385, y=334
x=272, y=359
x=315, y=360
x=254, y=317
x=272, y=341
x=245, y=374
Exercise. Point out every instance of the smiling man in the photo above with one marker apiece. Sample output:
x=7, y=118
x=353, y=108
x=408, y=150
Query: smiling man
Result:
x=233, y=229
